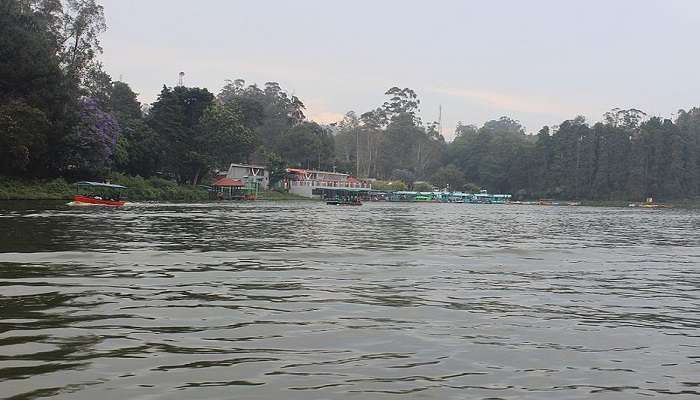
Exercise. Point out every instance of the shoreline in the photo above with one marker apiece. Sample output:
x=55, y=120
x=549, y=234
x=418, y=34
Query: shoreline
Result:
x=159, y=189
x=139, y=189
x=282, y=197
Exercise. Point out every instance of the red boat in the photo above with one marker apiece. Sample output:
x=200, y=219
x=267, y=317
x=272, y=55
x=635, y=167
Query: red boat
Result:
x=97, y=201
x=98, y=194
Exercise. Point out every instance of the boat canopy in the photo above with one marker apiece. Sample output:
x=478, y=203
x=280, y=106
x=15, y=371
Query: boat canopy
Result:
x=348, y=190
x=100, y=184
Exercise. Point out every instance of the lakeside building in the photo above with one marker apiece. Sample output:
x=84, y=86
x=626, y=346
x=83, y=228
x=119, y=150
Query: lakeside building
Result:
x=256, y=175
x=227, y=189
x=311, y=183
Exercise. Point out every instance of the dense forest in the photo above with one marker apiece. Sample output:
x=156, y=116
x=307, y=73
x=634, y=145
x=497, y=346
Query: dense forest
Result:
x=62, y=115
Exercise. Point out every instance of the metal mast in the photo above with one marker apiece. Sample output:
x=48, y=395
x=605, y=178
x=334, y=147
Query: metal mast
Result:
x=357, y=152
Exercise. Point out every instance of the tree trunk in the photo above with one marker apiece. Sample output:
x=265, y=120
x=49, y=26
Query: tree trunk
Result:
x=369, y=154
x=195, y=178
x=75, y=50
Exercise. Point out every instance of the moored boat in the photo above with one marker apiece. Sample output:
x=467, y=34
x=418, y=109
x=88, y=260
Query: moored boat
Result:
x=343, y=196
x=649, y=203
x=355, y=202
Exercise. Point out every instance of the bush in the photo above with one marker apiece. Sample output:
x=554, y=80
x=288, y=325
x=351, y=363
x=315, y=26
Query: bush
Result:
x=423, y=187
x=15, y=189
x=471, y=187
x=449, y=176
x=389, y=186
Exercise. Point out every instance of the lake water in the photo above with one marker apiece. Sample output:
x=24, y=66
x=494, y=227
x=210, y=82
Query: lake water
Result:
x=299, y=300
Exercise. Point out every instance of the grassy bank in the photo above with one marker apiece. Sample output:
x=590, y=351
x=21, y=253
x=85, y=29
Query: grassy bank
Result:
x=14, y=189
x=140, y=189
x=159, y=189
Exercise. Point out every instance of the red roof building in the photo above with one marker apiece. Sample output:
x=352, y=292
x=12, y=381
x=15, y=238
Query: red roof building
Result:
x=228, y=182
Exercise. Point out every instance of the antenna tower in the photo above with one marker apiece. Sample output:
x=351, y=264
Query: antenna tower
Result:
x=181, y=80
x=440, y=119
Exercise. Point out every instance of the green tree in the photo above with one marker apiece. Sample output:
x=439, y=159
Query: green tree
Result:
x=350, y=143
x=629, y=119
x=83, y=22
x=269, y=111
x=404, y=176
x=449, y=177
x=29, y=66
x=497, y=156
x=422, y=187
x=277, y=168
x=402, y=102
x=399, y=145
x=139, y=148
x=248, y=100
x=371, y=133
x=124, y=102
x=308, y=145
x=688, y=123
x=23, y=137
x=225, y=137
x=176, y=117
x=389, y=186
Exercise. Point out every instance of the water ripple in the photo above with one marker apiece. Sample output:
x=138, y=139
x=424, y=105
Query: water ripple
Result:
x=300, y=301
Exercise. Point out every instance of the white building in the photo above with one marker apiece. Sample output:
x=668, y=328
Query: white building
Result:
x=245, y=173
x=304, y=182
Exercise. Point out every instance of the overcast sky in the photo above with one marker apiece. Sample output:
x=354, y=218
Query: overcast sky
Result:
x=539, y=62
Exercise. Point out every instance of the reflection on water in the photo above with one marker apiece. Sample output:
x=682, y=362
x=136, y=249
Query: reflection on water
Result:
x=307, y=301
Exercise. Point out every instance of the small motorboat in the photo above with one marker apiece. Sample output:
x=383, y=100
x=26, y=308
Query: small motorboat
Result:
x=338, y=202
x=649, y=203
x=98, y=194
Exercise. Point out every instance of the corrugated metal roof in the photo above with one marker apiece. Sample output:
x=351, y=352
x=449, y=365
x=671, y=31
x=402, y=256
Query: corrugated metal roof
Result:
x=247, y=166
x=228, y=182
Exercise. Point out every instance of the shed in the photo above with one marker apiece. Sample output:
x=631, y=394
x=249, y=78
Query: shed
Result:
x=227, y=188
x=228, y=182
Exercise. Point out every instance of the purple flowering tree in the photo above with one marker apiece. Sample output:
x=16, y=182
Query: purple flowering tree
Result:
x=97, y=134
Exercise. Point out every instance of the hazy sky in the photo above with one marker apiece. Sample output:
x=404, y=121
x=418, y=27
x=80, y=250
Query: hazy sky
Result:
x=539, y=62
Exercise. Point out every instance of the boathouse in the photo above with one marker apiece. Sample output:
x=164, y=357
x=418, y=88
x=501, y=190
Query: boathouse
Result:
x=228, y=189
x=311, y=183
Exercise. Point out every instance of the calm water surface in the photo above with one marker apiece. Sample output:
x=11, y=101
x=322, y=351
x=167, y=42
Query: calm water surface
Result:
x=299, y=300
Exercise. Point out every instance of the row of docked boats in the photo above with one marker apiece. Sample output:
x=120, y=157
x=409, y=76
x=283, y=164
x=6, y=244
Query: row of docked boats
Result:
x=355, y=196
x=483, y=197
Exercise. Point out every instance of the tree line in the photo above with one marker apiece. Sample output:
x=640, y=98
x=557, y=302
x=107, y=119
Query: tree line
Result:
x=628, y=155
x=62, y=115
